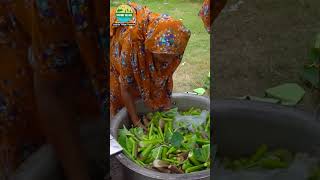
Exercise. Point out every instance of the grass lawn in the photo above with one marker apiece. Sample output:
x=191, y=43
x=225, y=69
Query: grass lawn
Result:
x=196, y=62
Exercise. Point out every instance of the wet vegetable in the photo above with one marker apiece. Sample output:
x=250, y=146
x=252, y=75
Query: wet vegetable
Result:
x=175, y=142
x=315, y=175
x=262, y=158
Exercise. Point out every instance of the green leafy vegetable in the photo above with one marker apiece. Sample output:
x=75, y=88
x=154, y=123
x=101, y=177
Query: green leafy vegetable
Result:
x=157, y=152
x=262, y=158
x=181, y=149
x=202, y=154
x=176, y=139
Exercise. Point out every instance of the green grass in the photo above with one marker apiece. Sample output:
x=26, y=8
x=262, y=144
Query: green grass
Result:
x=196, y=61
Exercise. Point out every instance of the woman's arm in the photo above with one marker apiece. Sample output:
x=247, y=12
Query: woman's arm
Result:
x=129, y=104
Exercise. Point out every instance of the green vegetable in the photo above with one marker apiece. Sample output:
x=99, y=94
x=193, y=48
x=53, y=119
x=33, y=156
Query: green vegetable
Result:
x=195, y=168
x=145, y=143
x=164, y=152
x=157, y=153
x=186, y=165
x=134, y=147
x=171, y=161
x=202, y=141
x=151, y=130
x=260, y=152
x=146, y=152
x=160, y=132
x=273, y=164
x=185, y=150
x=277, y=159
x=193, y=158
x=176, y=139
x=171, y=150
x=202, y=154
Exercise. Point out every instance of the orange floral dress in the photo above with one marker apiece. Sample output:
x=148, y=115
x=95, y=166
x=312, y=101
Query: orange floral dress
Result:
x=49, y=37
x=132, y=62
x=208, y=17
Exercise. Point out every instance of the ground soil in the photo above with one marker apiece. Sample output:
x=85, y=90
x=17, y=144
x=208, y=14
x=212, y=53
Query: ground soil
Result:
x=262, y=43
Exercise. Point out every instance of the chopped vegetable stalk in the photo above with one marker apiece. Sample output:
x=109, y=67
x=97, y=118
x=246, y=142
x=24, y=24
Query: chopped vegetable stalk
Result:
x=186, y=165
x=164, y=152
x=146, y=152
x=169, y=146
x=171, y=150
x=195, y=168
x=193, y=159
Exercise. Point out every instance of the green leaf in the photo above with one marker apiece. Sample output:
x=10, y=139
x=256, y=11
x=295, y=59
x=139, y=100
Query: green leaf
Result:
x=176, y=139
x=311, y=74
x=288, y=93
x=202, y=154
x=129, y=145
x=200, y=91
x=157, y=152
x=122, y=139
x=191, y=143
x=138, y=132
x=262, y=150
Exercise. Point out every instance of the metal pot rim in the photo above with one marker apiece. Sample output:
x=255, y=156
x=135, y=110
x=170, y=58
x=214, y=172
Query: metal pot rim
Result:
x=158, y=175
x=154, y=174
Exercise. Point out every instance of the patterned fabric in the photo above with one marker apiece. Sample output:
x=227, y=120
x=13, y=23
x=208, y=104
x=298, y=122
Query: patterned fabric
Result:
x=205, y=15
x=55, y=49
x=205, y=12
x=132, y=57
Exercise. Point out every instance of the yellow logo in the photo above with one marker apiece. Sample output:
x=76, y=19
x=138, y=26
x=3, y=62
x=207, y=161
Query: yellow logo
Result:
x=124, y=15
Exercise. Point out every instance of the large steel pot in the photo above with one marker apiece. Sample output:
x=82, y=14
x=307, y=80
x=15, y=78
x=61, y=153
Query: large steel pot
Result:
x=133, y=171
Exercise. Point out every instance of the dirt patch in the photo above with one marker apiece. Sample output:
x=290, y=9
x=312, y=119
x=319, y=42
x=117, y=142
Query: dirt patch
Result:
x=263, y=43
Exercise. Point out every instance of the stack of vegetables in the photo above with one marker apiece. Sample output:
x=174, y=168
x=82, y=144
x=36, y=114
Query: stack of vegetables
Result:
x=174, y=142
x=262, y=158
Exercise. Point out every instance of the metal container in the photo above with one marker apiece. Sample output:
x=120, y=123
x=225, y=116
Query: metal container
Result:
x=240, y=127
x=133, y=171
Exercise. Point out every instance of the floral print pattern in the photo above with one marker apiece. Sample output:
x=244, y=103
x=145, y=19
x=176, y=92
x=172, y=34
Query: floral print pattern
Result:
x=79, y=10
x=136, y=67
x=205, y=15
x=56, y=50
x=45, y=9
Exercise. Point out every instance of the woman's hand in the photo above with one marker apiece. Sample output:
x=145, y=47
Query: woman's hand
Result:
x=139, y=124
x=129, y=104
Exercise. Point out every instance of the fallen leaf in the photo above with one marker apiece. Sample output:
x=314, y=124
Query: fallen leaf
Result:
x=200, y=91
x=288, y=93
